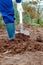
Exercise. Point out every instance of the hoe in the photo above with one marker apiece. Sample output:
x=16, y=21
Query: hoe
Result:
x=22, y=30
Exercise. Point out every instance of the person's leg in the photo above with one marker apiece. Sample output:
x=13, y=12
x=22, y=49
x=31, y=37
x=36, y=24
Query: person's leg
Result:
x=11, y=31
x=7, y=10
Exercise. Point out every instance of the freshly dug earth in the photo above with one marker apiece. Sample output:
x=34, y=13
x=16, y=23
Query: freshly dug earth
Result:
x=23, y=50
x=20, y=44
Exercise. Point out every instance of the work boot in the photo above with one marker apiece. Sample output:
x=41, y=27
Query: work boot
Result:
x=10, y=30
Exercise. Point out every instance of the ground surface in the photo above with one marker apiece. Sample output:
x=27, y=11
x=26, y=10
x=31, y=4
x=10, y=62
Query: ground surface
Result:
x=24, y=50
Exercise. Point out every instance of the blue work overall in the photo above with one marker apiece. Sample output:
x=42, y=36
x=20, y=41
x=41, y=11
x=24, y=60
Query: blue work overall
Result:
x=7, y=11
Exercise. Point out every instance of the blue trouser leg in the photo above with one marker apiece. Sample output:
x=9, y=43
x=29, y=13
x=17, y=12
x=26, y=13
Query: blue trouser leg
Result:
x=7, y=11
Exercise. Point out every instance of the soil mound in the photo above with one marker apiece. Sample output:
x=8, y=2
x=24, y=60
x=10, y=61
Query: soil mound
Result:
x=20, y=44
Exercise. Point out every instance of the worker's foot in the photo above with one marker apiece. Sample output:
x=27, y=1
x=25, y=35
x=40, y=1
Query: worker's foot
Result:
x=11, y=31
x=11, y=40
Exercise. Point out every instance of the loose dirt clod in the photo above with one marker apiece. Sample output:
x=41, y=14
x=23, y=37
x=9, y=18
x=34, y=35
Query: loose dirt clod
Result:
x=39, y=39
